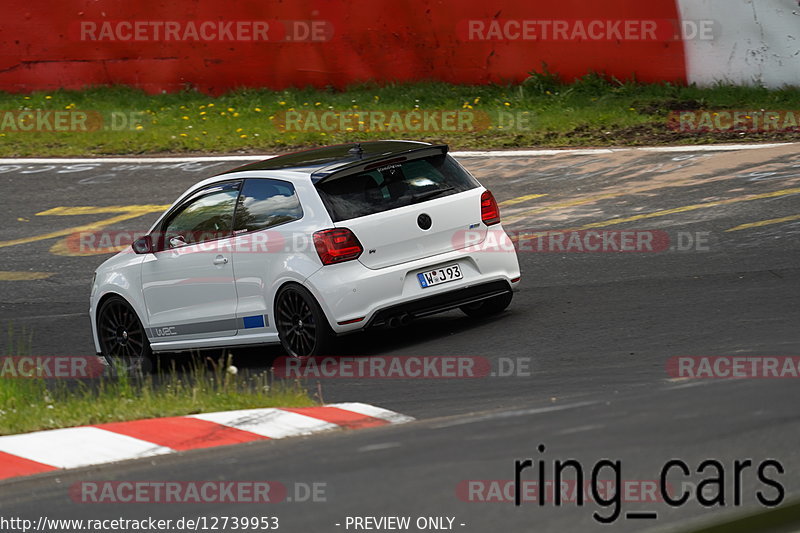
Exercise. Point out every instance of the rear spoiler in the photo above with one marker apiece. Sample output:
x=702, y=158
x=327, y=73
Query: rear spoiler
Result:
x=371, y=163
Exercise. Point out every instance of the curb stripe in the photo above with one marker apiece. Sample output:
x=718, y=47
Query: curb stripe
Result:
x=75, y=447
x=271, y=422
x=45, y=451
x=181, y=433
x=13, y=466
x=340, y=417
x=375, y=412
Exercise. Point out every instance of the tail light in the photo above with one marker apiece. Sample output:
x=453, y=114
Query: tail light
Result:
x=337, y=245
x=490, y=213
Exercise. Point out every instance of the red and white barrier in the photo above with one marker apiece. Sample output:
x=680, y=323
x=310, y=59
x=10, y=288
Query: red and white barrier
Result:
x=217, y=46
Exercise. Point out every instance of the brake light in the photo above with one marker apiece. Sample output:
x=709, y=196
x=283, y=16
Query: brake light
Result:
x=490, y=213
x=337, y=245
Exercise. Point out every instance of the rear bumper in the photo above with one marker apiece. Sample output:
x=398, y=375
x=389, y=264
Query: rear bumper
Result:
x=354, y=297
x=441, y=302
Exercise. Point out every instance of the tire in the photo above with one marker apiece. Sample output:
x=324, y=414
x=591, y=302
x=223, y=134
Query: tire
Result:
x=123, y=342
x=302, y=327
x=491, y=306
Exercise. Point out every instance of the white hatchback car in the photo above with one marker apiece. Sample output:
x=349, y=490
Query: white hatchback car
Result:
x=303, y=247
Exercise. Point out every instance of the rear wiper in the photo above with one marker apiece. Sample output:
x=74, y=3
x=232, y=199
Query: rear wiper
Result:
x=429, y=194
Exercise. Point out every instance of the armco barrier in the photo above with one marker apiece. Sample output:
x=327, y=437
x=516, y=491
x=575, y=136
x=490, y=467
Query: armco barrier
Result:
x=163, y=45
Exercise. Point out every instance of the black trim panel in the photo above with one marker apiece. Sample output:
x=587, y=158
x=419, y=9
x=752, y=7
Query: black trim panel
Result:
x=429, y=305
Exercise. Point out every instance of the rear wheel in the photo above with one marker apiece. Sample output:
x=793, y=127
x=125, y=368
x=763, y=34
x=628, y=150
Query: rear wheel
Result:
x=490, y=306
x=302, y=326
x=123, y=342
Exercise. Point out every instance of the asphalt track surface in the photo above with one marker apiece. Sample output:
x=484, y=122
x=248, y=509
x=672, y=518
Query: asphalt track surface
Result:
x=596, y=330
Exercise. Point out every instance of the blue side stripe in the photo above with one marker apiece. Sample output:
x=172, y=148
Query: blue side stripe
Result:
x=256, y=321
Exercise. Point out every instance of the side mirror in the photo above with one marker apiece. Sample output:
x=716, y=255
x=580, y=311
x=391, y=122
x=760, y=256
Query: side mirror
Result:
x=143, y=245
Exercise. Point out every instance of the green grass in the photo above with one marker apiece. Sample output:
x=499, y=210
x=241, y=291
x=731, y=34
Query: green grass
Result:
x=28, y=404
x=591, y=111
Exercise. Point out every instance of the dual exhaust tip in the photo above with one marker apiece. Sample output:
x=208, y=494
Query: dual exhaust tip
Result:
x=396, y=321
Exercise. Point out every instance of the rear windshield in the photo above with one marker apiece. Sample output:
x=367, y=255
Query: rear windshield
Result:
x=394, y=185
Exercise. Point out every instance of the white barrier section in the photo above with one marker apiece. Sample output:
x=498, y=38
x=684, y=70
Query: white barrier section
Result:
x=755, y=42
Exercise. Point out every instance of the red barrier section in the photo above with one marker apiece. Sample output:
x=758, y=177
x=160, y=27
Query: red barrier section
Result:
x=327, y=42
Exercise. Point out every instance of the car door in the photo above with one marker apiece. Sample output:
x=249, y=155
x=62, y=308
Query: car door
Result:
x=188, y=283
x=266, y=223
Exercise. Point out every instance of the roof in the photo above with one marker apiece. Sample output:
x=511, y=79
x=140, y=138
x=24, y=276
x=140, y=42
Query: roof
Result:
x=322, y=162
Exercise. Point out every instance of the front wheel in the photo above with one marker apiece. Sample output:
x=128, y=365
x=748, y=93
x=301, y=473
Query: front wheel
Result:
x=123, y=341
x=490, y=306
x=302, y=326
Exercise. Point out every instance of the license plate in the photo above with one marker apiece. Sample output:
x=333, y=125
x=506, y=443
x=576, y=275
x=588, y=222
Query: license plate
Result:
x=437, y=276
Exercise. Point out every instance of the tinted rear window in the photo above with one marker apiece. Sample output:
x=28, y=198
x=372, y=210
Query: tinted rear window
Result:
x=394, y=185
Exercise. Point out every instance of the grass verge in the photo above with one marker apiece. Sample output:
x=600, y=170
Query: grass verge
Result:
x=542, y=111
x=31, y=404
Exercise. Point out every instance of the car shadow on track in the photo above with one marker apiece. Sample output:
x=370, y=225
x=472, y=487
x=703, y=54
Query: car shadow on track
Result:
x=373, y=342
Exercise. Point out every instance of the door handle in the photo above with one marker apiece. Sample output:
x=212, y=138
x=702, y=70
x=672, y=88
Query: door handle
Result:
x=220, y=260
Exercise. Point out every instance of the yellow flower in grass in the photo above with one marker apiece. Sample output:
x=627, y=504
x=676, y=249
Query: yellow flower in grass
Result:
x=243, y=136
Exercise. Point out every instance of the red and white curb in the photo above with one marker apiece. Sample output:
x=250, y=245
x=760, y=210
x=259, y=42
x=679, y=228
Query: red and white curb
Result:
x=45, y=451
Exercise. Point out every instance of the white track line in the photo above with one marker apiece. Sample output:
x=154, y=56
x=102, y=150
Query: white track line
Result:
x=511, y=414
x=484, y=153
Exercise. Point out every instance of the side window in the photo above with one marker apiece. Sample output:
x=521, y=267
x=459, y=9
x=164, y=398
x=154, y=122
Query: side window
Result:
x=207, y=217
x=265, y=203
